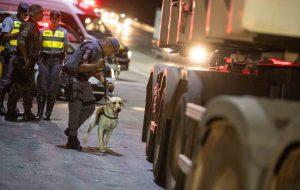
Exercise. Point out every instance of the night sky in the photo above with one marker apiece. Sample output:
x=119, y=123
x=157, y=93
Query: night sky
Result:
x=144, y=10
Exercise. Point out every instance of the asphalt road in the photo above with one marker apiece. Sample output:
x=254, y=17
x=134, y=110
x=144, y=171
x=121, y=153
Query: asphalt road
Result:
x=32, y=158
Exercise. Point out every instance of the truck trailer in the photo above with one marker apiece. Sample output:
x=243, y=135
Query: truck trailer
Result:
x=232, y=123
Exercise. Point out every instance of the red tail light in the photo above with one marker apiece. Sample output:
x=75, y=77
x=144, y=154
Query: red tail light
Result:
x=280, y=62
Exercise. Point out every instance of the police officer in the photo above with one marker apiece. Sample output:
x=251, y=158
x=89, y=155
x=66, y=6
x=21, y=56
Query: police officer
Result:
x=82, y=104
x=54, y=47
x=10, y=30
x=23, y=83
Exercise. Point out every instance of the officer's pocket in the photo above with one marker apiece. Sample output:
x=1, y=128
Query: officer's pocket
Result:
x=87, y=92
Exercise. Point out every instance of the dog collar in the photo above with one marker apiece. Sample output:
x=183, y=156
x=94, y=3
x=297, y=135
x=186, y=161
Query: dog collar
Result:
x=109, y=116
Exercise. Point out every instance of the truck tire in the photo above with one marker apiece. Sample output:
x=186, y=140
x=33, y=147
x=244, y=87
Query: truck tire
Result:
x=150, y=145
x=174, y=177
x=148, y=107
x=163, y=136
x=160, y=145
x=288, y=174
x=218, y=163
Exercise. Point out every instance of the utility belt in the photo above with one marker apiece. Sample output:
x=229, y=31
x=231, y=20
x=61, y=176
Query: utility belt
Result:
x=7, y=52
x=82, y=78
x=74, y=92
x=53, y=55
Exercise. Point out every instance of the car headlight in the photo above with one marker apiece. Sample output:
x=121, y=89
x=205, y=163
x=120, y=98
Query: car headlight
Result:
x=129, y=54
x=198, y=54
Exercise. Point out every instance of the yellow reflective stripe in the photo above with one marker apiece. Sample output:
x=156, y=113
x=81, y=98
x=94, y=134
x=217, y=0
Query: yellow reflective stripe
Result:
x=56, y=44
x=59, y=34
x=47, y=43
x=17, y=24
x=53, y=44
x=15, y=31
x=47, y=33
x=14, y=42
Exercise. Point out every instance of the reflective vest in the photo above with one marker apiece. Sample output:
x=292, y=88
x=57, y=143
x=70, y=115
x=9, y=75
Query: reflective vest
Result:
x=53, y=41
x=16, y=29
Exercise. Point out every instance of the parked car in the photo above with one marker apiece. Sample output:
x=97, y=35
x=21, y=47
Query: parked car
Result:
x=96, y=28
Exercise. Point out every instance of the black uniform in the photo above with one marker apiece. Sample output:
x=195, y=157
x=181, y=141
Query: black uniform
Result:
x=23, y=82
x=11, y=25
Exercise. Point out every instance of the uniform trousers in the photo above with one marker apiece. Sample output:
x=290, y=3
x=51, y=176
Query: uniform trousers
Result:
x=22, y=84
x=81, y=107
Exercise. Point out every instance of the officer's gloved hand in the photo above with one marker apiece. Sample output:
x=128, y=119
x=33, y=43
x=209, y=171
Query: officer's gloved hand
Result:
x=110, y=87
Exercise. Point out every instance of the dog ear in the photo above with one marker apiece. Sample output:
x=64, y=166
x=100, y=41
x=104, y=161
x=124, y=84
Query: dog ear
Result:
x=122, y=102
x=108, y=99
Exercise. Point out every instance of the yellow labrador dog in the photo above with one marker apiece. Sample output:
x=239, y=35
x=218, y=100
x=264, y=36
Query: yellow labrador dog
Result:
x=106, y=118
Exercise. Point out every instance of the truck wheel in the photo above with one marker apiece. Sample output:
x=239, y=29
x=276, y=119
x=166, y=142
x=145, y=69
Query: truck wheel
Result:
x=218, y=165
x=161, y=145
x=150, y=145
x=288, y=174
x=174, y=177
x=148, y=108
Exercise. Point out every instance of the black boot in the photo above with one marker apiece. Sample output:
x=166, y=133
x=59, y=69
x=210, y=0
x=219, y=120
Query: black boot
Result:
x=73, y=143
x=50, y=105
x=11, y=115
x=29, y=116
x=41, y=104
x=67, y=132
x=2, y=109
x=20, y=114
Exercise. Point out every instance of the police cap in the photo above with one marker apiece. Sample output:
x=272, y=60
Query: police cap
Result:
x=55, y=14
x=114, y=42
x=23, y=7
x=35, y=9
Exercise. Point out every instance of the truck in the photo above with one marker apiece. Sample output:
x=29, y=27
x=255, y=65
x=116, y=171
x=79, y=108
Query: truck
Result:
x=232, y=122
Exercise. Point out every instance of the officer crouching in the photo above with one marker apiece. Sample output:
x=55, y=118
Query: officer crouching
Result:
x=85, y=62
x=54, y=47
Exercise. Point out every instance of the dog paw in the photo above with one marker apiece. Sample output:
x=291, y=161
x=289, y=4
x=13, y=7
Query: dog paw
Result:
x=102, y=150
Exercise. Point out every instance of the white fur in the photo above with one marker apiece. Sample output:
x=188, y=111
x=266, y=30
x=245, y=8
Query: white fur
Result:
x=105, y=124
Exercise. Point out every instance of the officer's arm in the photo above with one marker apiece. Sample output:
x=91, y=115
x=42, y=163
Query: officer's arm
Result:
x=99, y=75
x=7, y=28
x=24, y=32
x=87, y=67
x=90, y=67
